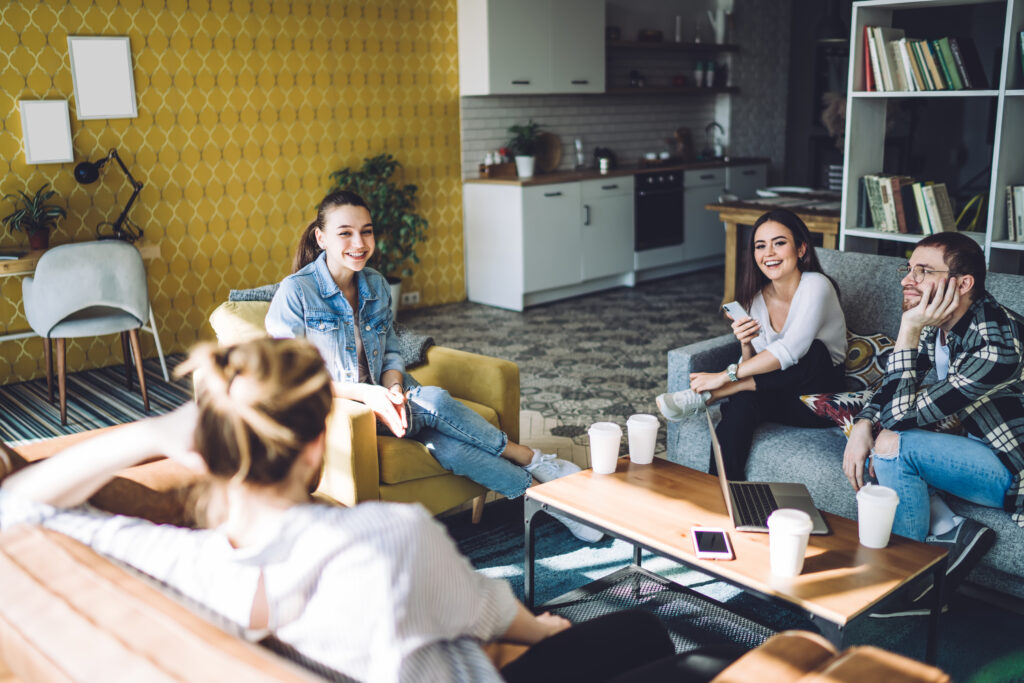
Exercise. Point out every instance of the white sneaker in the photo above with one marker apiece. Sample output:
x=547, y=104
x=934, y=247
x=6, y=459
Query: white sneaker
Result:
x=676, y=406
x=580, y=531
x=547, y=466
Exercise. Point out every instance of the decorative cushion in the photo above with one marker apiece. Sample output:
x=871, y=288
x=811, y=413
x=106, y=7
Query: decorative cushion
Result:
x=866, y=356
x=841, y=407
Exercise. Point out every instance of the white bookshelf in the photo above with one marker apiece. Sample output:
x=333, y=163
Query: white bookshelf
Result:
x=866, y=119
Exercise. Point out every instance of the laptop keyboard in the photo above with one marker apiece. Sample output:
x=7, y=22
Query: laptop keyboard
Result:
x=753, y=503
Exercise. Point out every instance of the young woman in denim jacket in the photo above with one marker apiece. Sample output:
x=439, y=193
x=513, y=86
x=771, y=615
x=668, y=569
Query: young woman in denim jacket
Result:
x=344, y=307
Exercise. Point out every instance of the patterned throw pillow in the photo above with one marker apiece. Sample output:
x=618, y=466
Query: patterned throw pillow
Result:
x=841, y=407
x=866, y=356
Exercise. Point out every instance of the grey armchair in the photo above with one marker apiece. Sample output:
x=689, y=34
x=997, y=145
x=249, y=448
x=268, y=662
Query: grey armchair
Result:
x=88, y=289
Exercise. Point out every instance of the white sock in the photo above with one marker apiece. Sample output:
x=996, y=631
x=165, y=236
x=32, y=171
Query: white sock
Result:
x=942, y=518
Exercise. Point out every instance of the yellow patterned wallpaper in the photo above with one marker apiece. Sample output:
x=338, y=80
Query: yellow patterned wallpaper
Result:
x=244, y=106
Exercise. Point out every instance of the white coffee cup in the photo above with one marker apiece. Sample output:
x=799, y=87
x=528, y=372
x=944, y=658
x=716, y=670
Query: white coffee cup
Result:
x=788, y=533
x=605, y=438
x=876, y=509
x=643, y=434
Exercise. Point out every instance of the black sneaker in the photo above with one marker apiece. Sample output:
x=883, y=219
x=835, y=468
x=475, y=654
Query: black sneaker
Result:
x=915, y=602
x=968, y=542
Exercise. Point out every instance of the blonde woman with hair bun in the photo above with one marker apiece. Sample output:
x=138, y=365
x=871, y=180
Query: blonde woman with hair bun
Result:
x=377, y=592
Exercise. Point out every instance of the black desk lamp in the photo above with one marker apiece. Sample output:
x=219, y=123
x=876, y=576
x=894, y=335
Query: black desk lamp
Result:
x=121, y=229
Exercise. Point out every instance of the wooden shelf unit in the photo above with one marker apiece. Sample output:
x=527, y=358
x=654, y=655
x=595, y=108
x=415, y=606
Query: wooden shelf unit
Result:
x=867, y=111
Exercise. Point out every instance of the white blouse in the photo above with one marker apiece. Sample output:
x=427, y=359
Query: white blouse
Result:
x=814, y=313
x=378, y=592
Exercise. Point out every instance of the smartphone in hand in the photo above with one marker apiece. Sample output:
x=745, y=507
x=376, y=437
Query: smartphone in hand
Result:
x=735, y=311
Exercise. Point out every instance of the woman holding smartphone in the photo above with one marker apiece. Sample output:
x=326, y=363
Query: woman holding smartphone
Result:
x=793, y=342
x=336, y=301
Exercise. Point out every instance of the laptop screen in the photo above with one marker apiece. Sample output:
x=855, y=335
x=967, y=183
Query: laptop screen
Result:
x=720, y=463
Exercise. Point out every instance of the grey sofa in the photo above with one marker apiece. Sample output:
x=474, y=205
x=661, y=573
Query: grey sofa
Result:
x=871, y=298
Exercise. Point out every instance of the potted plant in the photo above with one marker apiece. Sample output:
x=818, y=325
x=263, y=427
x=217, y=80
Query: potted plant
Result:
x=34, y=216
x=397, y=227
x=523, y=146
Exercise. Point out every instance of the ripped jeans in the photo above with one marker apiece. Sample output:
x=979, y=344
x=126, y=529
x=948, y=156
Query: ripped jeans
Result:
x=963, y=466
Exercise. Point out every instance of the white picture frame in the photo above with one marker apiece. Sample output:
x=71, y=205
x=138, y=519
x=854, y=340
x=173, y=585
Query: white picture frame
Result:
x=101, y=71
x=46, y=129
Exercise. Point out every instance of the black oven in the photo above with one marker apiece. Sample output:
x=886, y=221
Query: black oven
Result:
x=659, y=209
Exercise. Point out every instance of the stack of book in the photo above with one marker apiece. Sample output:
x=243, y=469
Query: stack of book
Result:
x=902, y=204
x=893, y=62
x=1015, y=213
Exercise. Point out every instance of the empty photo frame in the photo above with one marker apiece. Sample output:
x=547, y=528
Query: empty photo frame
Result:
x=101, y=69
x=46, y=127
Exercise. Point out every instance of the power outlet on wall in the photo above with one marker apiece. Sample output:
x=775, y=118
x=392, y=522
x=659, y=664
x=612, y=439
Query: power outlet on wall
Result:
x=410, y=298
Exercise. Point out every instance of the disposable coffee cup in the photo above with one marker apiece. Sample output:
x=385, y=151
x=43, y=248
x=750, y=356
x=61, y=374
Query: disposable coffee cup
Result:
x=643, y=433
x=876, y=509
x=788, y=533
x=605, y=438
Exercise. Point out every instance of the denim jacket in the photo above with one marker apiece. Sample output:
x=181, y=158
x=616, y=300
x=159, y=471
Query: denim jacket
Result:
x=310, y=304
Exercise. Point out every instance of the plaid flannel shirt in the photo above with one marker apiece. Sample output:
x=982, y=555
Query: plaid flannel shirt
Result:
x=983, y=394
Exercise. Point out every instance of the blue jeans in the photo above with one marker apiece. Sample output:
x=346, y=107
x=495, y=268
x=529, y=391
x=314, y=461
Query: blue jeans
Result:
x=965, y=467
x=463, y=442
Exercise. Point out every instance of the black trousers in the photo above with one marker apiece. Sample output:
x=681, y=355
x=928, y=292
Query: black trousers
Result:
x=776, y=399
x=622, y=647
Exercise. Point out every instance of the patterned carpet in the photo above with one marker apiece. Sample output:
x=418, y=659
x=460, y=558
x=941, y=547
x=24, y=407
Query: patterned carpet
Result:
x=592, y=358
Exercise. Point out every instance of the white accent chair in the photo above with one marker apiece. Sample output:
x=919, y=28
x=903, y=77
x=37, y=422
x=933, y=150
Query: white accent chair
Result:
x=88, y=289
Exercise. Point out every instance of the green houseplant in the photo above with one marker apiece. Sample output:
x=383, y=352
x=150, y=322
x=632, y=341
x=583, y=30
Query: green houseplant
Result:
x=523, y=145
x=397, y=227
x=33, y=215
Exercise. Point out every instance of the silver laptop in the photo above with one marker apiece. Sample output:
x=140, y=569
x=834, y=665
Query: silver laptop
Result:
x=749, y=503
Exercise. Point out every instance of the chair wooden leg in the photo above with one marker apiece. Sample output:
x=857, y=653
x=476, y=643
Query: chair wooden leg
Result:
x=62, y=380
x=137, y=352
x=126, y=353
x=48, y=353
x=478, y=508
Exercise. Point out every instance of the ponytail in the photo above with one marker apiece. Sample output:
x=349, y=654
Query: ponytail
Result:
x=307, y=250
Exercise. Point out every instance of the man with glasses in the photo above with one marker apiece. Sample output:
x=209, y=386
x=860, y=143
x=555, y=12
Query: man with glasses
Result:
x=950, y=408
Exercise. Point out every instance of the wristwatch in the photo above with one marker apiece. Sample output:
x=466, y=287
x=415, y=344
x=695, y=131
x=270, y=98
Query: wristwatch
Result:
x=731, y=371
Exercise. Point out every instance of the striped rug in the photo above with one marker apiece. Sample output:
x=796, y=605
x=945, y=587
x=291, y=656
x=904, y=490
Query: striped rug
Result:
x=96, y=398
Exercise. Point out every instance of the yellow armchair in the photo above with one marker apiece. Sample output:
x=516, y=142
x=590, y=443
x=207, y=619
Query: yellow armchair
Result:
x=359, y=465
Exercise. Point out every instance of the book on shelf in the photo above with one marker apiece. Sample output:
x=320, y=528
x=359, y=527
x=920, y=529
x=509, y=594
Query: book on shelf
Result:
x=884, y=35
x=873, y=52
x=896, y=184
x=872, y=185
x=933, y=64
x=869, y=76
x=949, y=64
x=968, y=63
x=910, y=208
x=1011, y=222
x=922, y=213
x=899, y=73
x=939, y=208
x=1019, y=211
x=864, y=219
x=914, y=71
x=12, y=254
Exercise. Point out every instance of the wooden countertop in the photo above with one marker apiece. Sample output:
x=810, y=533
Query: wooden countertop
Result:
x=624, y=170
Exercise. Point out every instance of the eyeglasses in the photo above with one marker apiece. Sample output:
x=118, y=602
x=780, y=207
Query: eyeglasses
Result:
x=917, y=272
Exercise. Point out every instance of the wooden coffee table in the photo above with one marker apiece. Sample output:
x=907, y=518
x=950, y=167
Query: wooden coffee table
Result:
x=653, y=507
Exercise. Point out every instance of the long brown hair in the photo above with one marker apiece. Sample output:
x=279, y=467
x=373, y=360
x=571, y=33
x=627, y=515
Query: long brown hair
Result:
x=752, y=280
x=307, y=249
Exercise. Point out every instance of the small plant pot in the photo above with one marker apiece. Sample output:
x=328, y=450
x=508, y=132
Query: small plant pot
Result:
x=524, y=167
x=40, y=239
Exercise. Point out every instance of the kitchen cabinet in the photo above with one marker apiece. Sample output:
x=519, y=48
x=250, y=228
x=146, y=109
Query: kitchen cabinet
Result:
x=531, y=46
x=703, y=236
x=744, y=181
x=527, y=245
x=607, y=234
